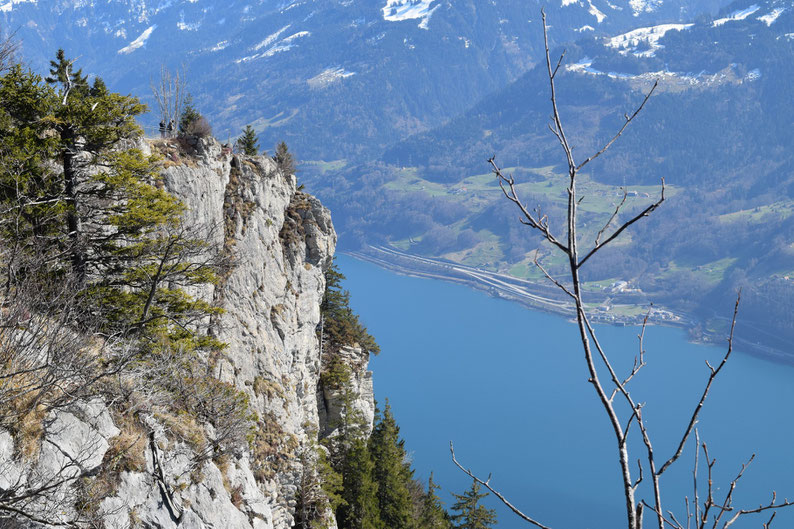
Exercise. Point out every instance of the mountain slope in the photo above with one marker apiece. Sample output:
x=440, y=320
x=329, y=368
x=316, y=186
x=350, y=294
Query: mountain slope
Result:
x=334, y=78
x=717, y=129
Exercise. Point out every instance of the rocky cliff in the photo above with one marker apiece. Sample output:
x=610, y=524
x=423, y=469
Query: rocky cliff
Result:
x=278, y=241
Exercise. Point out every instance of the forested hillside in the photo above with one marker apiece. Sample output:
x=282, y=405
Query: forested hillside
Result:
x=716, y=129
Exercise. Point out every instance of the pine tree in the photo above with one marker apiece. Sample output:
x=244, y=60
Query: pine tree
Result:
x=284, y=159
x=340, y=325
x=360, y=491
x=189, y=115
x=432, y=514
x=97, y=216
x=89, y=122
x=392, y=474
x=472, y=515
x=247, y=142
x=62, y=72
x=319, y=491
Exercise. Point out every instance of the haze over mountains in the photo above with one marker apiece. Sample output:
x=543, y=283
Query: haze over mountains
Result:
x=395, y=105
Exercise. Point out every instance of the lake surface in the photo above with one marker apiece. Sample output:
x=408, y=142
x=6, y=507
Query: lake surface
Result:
x=509, y=387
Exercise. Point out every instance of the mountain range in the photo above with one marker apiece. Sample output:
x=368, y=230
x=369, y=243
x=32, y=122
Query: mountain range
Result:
x=394, y=106
x=334, y=78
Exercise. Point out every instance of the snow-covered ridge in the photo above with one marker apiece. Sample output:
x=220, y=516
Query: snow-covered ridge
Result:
x=397, y=10
x=737, y=15
x=628, y=42
x=140, y=41
x=680, y=79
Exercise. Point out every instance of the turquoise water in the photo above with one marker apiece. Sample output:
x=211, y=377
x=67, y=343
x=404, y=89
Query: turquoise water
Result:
x=509, y=387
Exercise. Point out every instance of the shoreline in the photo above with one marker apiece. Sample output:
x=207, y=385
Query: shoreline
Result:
x=545, y=297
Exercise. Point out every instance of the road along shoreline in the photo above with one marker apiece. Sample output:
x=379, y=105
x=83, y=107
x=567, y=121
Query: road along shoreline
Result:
x=546, y=297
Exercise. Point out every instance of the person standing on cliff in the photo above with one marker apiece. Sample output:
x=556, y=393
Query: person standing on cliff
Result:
x=162, y=128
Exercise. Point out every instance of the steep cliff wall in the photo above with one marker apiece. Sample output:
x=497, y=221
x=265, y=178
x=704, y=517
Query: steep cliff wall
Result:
x=278, y=242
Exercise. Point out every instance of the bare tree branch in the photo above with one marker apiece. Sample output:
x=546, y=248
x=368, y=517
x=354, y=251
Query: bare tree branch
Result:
x=550, y=278
x=629, y=119
x=644, y=213
x=714, y=372
x=487, y=485
x=613, y=385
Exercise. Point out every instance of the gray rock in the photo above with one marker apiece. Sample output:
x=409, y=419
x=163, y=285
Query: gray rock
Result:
x=282, y=240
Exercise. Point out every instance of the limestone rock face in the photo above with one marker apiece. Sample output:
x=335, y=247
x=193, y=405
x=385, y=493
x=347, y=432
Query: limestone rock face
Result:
x=279, y=241
x=332, y=401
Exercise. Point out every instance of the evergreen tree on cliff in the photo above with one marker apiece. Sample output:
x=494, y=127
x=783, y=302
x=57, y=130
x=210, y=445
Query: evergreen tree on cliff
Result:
x=392, y=474
x=284, y=158
x=470, y=514
x=96, y=216
x=340, y=325
x=189, y=115
x=360, y=491
x=432, y=514
x=89, y=121
x=247, y=142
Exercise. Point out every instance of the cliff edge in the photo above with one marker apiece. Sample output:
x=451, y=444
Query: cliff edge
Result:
x=277, y=242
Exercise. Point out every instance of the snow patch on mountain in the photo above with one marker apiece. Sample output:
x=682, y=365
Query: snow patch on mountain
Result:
x=329, y=76
x=8, y=6
x=220, y=46
x=283, y=45
x=426, y=20
x=294, y=4
x=593, y=10
x=644, y=6
x=650, y=36
x=271, y=38
x=140, y=41
x=770, y=17
x=676, y=80
x=584, y=28
x=295, y=36
x=737, y=15
x=397, y=10
x=569, y=2
x=186, y=26
x=165, y=4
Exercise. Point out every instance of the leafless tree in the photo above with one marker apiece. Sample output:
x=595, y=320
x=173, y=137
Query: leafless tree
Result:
x=48, y=370
x=626, y=414
x=169, y=92
x=9, y=47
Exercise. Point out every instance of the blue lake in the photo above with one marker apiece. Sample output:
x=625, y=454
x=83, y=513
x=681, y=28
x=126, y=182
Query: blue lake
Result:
x=509, y=387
